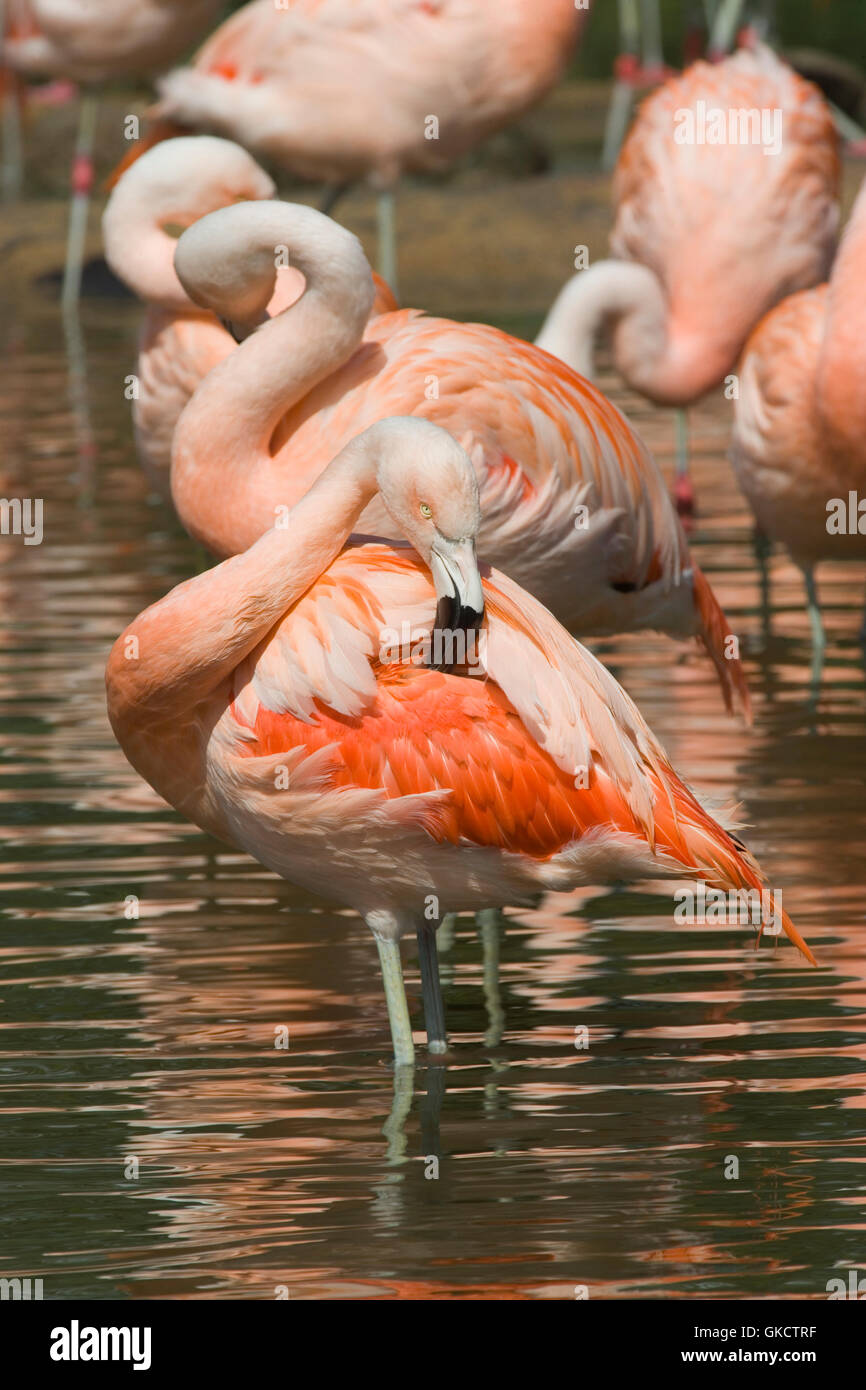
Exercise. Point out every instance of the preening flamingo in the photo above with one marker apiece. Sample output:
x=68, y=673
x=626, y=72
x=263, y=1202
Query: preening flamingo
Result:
x=799, y=446
x=279, y=702
x=93, y=44
x=707, y=236
x=572, y=503
x=341, y=90
x=165, y=190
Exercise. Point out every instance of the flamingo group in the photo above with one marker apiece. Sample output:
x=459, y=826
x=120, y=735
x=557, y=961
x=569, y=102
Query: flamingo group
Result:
x=350, y=694
x=257, y=699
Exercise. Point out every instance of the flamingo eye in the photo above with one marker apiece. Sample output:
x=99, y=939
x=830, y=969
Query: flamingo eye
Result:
x=425, y=510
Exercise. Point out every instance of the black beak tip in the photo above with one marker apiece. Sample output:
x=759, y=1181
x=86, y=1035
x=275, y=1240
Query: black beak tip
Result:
x=451, y=619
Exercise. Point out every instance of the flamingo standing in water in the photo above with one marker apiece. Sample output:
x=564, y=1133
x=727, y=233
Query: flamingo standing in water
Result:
x=573, y=504
x=707, y=236
x=341, y=90
x=92, y=44
x=167, y=189
x=279, y=702
x=799, y=446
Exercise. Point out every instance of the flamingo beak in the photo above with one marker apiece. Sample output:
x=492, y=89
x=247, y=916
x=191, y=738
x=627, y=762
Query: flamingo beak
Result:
x=460, y=599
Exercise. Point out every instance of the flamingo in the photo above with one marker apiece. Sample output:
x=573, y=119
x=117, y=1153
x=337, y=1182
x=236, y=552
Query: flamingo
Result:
x=707, y=237
x=799, y=442
x=340, y=90
x=93, y=44
x=165, y=190
x=573, y=504
x=278, y=701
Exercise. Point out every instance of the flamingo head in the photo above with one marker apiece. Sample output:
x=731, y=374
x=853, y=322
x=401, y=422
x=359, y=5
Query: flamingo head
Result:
x=428, y=485
x=168, y=189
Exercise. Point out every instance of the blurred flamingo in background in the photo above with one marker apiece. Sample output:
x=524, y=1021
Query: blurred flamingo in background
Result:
x=336, y=90
x=93, y=44
x=573, y=503
x=799, y=446
x=707, y=237
x=163, y=192
x=264, y=701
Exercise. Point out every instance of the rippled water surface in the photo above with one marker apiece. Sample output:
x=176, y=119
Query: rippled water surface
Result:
x=260, y=1168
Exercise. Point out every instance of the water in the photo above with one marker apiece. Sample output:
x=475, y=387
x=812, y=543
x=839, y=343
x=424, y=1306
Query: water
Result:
x=147, y=1045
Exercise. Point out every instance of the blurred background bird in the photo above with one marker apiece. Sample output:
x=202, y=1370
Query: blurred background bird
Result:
x=799, y=438
x=709, y=232
x=92, y=44
x=336, y=90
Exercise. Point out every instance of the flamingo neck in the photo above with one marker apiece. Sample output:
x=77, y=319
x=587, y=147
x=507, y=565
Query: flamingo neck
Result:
x=223, y=453
x=620, y=296
x=141, y=253
x=841, y=374
x=626, y=299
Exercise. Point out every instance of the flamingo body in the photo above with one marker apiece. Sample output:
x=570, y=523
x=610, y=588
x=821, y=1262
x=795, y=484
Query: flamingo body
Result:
x=341, y=89
x=97, y=41
x=799, y=443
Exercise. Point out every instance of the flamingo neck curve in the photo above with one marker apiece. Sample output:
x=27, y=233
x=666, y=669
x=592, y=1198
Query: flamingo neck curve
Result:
x=223, y=442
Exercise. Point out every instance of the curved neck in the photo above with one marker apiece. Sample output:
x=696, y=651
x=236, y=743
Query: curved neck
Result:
x=626, y=299
x=194, y=638
x=140, y=253
x=224, y=437
x=605, y=296
x=839, y=385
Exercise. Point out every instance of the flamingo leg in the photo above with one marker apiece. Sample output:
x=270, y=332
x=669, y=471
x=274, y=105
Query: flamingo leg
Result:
x=395, y=999
x=684, y=493
x=622, y=96
x=763, y=549
x=725, y=27
x=82, y=183
x=490, y=928
x=651, y=20
x=434, y=1009
x=12, y=162
x=394, y=1128
x=819, y=639
x=387, y=222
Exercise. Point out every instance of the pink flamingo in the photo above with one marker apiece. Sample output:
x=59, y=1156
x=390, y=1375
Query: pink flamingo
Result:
x=573, y=504
x=799, y=446
x=707, y=236
x=93, y=44
x=165, y=190
x=336, y=91
x=285, y=702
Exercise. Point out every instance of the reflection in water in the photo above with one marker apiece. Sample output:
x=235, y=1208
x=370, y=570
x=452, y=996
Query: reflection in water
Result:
x=150, y=975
